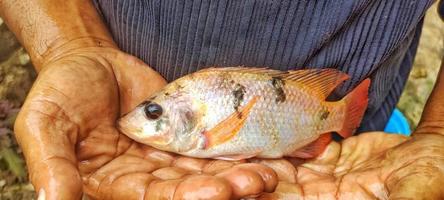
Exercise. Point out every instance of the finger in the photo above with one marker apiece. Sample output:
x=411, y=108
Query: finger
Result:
x=169, y=173
x=190, y=164
x=424, y=184
x=129, y=186
x=162, y=158
x=147, y=187
x=327, y=161
x=244, y=183
x=94, y=154
x=100, y=146
x=421, y=179
x=216, y=166
x=203, y=187
x=132, y=92
x=365, y=184
x=101, y=182
x=268, y=175
x=284, y=191
x=249, y=179
x=358, y=149
x=141, y=176
x=49, y=152
x=137, y=186
x=159, y=190
x=284, y=169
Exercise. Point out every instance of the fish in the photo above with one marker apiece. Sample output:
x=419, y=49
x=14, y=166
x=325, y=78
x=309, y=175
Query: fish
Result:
x=235, y=113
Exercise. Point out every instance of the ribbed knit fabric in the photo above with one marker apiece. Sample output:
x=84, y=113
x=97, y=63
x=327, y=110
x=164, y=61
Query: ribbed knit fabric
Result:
x=364, y=38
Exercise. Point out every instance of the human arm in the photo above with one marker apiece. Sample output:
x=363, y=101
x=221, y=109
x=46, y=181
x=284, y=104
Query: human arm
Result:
x=66, y=127
x=43, y=27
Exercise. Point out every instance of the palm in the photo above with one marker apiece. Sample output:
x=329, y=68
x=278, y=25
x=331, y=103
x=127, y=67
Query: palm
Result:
x=369, y=166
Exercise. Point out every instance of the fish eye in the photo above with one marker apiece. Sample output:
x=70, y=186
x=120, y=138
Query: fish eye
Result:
x=153, y=110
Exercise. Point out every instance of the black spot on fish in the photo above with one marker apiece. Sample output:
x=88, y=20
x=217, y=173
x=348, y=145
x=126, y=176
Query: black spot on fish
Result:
x=189, y=116
x=167, y=94
x=324, y=114
x=158, y=125
x=278, y=85
x=161, y=123
x=189, y=119
x=238, y=93
x=225, y=80
x=179, y=87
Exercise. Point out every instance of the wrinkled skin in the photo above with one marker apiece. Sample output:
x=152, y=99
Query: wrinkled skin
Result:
x=369, y=166
x=67, y=131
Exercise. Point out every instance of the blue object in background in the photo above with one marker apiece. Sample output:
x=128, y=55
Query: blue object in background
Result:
x=398, y=124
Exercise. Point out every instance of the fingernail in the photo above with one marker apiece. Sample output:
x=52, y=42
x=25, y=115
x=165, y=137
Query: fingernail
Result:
x=42, y=194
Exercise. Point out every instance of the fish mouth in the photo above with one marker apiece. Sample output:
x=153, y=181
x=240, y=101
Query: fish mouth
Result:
x=131, y=132
x=121, y=127
x=127, y=130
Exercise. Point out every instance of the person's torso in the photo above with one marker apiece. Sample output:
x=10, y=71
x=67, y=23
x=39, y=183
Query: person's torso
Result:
x=363, y=38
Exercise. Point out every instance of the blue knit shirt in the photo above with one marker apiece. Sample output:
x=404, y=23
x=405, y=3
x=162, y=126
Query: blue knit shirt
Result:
x=363, y=38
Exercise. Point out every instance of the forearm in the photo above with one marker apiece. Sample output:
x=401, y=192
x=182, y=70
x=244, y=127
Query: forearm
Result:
x=44, y=26
x=432, y=120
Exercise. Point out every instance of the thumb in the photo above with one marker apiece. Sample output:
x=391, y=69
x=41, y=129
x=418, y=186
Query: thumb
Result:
x=47, y=141
x=420, y=175
x=416, y=182
x=136, y=80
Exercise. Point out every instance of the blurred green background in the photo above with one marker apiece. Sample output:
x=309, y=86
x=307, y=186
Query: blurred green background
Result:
x=17, y=75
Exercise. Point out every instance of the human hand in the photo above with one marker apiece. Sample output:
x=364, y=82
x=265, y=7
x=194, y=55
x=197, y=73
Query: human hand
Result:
x=66, y=129
x=368, y=166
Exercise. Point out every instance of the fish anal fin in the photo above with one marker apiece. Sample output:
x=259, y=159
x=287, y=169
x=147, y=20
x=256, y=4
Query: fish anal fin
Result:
x=313, y=149
x=229, y=127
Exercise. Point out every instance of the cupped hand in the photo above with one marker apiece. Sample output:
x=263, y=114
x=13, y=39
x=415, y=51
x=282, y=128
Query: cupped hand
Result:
x=369, y=166
x=66, y=129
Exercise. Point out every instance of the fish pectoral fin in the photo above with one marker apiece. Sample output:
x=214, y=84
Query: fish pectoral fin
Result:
x=313, y=149
x=230, y=126
x=237, y=157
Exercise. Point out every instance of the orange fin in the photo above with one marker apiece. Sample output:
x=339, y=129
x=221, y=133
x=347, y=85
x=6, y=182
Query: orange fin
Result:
x=229, y=127
x=236, y=157
x=243, y=69
x=313, y=149
x=356, y=103
x=321, y=81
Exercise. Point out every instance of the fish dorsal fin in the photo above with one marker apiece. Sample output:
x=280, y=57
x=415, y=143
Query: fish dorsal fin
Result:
x=320, y=81
x=242, y=69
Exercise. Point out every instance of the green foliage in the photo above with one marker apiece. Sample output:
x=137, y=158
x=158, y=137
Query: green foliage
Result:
x=13, y=162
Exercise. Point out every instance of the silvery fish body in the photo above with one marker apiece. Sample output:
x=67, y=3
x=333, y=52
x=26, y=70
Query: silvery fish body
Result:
x=237, y=113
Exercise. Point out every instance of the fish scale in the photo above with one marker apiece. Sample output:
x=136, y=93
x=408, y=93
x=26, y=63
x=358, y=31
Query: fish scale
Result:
x=278, y=125
x=237, y=113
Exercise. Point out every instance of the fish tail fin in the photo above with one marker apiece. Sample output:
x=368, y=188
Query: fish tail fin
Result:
x=356, y=103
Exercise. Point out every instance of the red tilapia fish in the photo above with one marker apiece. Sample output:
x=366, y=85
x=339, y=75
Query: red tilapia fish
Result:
x=236, y=113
